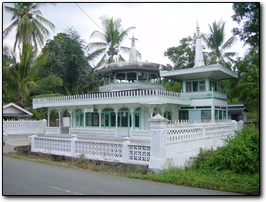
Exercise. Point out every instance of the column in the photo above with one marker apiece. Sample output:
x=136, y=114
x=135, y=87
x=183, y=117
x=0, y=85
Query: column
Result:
x=100, y=119
x=48, y=118
x=158, y=159
x=59, y=122
x=132, y=120
x=116, y=120
x=84, y=118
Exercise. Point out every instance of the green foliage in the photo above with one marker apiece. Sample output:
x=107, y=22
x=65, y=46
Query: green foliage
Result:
x=247, y=88
x=170, y=85
x=29, y=24
x=239, y=155
x=111, y=38
x=215, y=41
x=247, y=15
x=183, y=55
x=66, y=59
x=21, y=79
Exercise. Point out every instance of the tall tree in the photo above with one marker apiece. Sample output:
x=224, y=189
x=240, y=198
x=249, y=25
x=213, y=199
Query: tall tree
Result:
x=247, y=15
x=68, y=61
x=215, y=41
x=22, y=78
x=29, y=24
x=247, y=86
x=110, y=45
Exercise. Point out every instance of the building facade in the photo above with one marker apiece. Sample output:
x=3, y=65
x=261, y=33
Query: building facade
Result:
x=132, y=93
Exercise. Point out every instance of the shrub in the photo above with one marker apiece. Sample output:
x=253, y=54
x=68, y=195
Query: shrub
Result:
x=240, y=153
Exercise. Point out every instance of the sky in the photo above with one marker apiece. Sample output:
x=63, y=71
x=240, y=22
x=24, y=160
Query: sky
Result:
x=159, y=26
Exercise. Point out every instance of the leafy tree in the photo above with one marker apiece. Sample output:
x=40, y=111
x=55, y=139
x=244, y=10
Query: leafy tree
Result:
x=216, y=43
x=111, y=38
x=183, y=55
x=29, y=24
x=247, y=86
x=66, y=59
x=247, y=15
x=170, y=85
x=21, y=78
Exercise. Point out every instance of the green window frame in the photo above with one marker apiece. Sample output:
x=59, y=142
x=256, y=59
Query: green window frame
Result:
x=108, y=118
x=124, y=118
x=79, y=118
x=195, y=86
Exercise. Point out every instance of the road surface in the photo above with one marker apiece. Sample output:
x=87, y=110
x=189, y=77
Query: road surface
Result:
x=22, y=177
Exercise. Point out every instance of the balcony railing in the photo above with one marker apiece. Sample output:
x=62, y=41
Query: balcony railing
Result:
x=129, y=86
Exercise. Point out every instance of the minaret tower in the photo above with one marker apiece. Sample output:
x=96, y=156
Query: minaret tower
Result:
x=133, y=54
x=199, y=61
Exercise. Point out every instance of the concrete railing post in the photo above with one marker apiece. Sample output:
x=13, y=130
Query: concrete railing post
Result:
x=158, y=159
x=73, y=144
x=125, y=152
x=32, y=143
x=235, y=125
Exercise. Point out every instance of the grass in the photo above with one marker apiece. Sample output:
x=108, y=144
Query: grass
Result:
x=223, y=181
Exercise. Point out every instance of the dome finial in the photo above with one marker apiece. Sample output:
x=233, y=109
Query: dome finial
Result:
x=133, y=54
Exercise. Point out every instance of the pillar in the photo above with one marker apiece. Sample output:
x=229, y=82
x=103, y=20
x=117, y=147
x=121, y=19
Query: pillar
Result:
x=158, y=159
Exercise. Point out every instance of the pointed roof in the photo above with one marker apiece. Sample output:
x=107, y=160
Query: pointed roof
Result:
x=199, y=60
x=11, y=109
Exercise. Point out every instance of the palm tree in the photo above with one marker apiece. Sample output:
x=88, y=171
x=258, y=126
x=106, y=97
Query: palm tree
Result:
x=28, y=20
x=21, y=78
x=216, y=43
x=111, y=39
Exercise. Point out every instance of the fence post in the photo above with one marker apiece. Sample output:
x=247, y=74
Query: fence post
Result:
x=158, y=159
x=32, y=143
x=125, y=151
x=73, y=144
x=235, y=125
x=240, y=125
x=44, y=125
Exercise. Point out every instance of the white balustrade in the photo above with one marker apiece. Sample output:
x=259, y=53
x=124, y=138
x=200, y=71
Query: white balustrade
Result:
x=93, y=132
x=24, y=126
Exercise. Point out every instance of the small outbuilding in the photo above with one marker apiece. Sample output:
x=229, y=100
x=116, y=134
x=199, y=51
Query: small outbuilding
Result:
x=13, y=111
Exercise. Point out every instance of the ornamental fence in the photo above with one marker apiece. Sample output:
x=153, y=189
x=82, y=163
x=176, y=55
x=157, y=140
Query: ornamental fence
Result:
x=171, y=145
x=107, y=151
x=13, y=127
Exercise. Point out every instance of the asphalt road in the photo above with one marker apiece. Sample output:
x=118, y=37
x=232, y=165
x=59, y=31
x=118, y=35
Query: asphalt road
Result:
x=22, y=177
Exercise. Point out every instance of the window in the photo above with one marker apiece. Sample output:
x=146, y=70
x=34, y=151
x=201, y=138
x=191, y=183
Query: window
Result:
x=79, y=118
x=108, y=118
x=195, y=86
x=202, y=86
x=152, y=78
x=137, y=115
x=205, y=114
x=183, y=115
x=92, y=118
x=188, y=86
x=213, y=84
x=168, y=115
x=132, y=77
x=124, y=118
x=143, y=76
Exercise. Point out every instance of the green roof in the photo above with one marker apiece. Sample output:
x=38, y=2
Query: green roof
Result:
x=215, y=72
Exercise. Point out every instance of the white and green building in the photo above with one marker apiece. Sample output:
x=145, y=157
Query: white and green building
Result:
x=132, y=93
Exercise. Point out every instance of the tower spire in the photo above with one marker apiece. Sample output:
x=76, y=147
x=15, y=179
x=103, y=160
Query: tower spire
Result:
x=133, y=54
x=199, y=61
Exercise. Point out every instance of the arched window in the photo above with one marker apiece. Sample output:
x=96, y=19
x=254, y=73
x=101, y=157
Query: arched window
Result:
x=137, y=118
x=108, y=118
x=92, y=118
x=79, y=118
x=124, y=118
